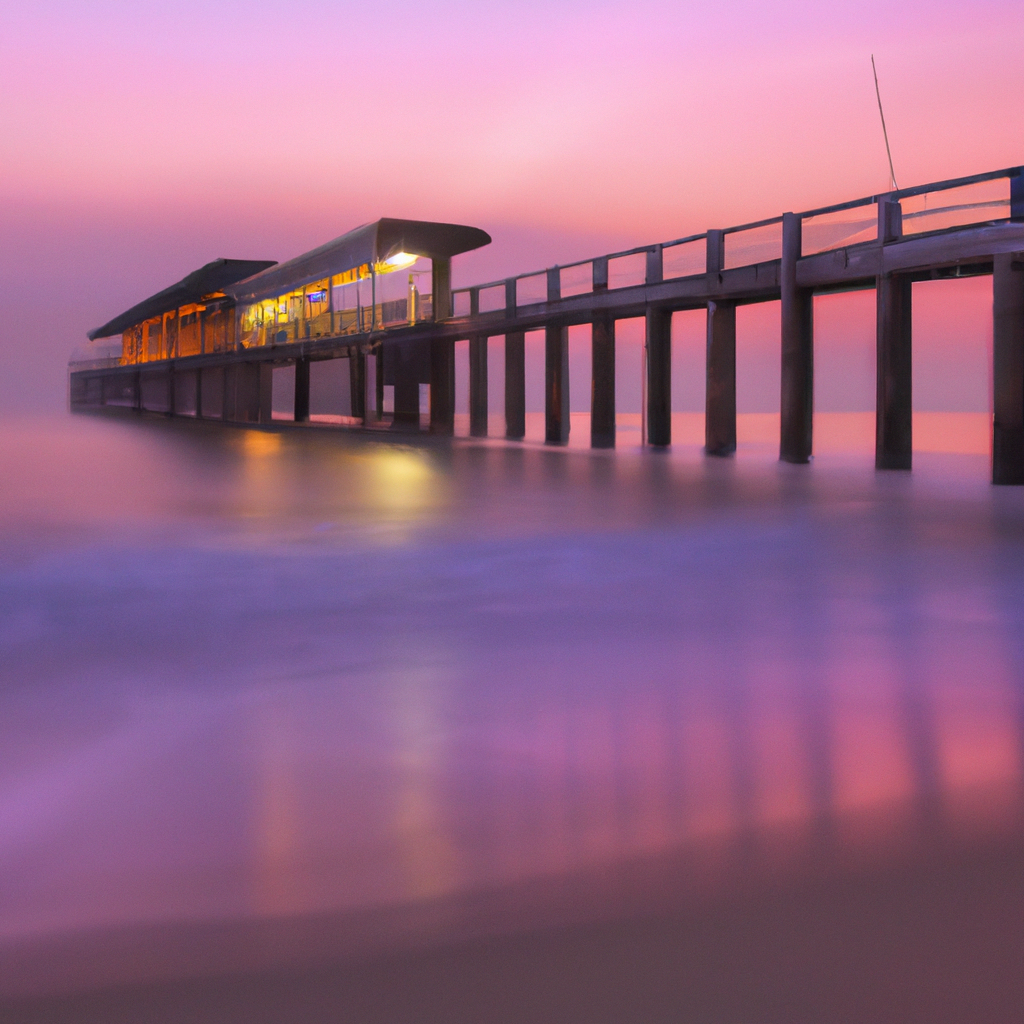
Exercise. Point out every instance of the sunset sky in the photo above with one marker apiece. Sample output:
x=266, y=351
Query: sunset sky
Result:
x=143, y=139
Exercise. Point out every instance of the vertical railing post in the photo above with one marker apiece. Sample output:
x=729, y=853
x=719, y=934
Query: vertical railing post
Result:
x=1017, y=195
x=515, y=371
x=1007, y=370
x=600, y=274
x=302, y=369
x=893, y=394
x=797, y=400
x=478, y=385
x=654, y=273
x=720, y=395
x=556, y=371
x=602, y=389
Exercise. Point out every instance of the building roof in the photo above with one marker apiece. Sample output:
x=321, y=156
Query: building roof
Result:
x=207, y=280
x=368, y=244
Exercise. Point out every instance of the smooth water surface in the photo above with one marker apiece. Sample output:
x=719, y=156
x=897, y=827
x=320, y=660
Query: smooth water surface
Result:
x=277, y=698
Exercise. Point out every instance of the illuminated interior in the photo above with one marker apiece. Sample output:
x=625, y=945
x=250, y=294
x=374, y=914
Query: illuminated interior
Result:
x=378, y=276
x=190, y=330
x=369, y=297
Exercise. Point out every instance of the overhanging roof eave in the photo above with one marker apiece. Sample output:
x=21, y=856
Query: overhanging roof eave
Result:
x=207, y=280
x=364, y=245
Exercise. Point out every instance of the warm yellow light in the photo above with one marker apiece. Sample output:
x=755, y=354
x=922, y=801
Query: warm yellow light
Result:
x=396, y=262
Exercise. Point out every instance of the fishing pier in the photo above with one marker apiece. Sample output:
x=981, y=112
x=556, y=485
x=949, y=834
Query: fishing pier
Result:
x=950, y=229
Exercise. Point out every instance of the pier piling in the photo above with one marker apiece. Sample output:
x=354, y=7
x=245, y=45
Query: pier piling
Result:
x=556, y=384
x=602, y=393
x=720, y=386
x=720, y=398
x=357, y=384
x=658, y=361
x=797, y=400
x=1008, y=369
x=478, y=386
x=302, y=390
x=515, y=385
x=442, y=386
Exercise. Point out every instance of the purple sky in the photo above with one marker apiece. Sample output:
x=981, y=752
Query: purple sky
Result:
x=142, y=139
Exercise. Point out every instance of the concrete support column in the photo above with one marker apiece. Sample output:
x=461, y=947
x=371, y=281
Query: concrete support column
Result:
x=378, y=382
x=478, y=386
x=235, y=393
x=797, y=402
x=227, y=393
x=515, y=371
x=302, y=367
x=170, y=390
x=893, y=396
x=264, y=373
x=515, y=385
x=602, y=386
x=357, y=383
x=658, y=352
x=442, y=386
x=720, y=400
x=407, y=393
x=720, y=393
x=199, y=394
x=556, y=384
x=1008, y=370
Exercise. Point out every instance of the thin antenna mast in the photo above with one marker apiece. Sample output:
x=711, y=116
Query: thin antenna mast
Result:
x=885, y=134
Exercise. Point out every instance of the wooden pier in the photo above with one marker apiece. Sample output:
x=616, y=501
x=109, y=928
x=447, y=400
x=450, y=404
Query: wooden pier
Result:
x=949, y=229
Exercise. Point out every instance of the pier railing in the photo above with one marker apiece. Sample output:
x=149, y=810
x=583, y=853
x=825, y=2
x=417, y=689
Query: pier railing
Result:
x=976, y=199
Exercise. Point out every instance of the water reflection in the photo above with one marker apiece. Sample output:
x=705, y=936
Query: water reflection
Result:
x=636, y=680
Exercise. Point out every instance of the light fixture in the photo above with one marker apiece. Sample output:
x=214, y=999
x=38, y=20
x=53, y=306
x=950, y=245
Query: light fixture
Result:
x=396, y=262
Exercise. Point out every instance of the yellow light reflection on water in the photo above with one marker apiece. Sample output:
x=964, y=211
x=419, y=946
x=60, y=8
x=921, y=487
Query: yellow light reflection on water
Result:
x=401, y=481
x=257, y=443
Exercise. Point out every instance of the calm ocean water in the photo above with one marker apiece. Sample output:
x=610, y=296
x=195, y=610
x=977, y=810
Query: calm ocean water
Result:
x=277, y=698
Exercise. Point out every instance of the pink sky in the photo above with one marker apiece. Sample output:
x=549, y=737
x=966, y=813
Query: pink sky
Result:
x=142, y=139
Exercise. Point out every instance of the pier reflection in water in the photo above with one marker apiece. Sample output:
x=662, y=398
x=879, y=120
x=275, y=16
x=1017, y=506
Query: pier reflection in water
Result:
x=284, y=699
